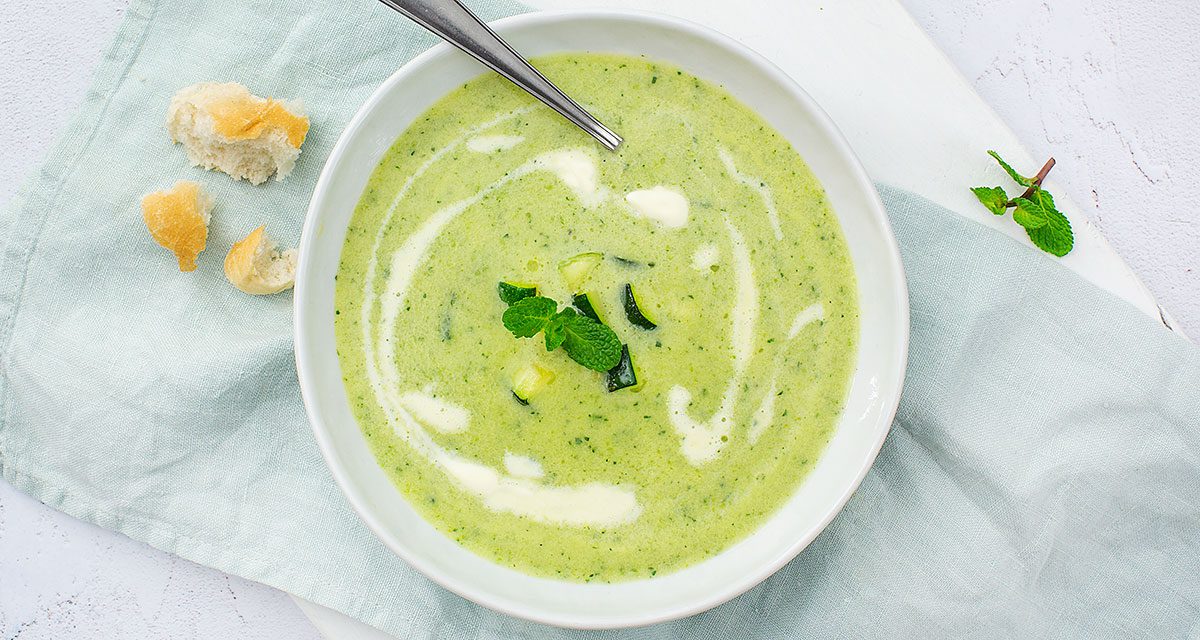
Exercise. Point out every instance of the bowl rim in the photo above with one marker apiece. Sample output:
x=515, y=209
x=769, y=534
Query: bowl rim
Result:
x=304, y=364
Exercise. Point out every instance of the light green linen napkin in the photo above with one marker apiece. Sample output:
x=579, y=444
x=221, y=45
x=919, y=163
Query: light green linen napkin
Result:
x=1042, y=477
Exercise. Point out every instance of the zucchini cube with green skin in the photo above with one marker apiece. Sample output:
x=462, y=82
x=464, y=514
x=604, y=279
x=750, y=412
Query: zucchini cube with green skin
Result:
x=529, y=381
x=583, y=302
x=623, y=376
x=575, y=270
x=633, y=311
x=512, y=293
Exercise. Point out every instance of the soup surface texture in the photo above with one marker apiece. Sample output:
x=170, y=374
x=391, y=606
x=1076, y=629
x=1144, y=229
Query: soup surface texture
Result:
x=723, y=234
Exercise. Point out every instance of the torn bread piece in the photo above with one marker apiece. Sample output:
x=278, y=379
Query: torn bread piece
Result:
x=178, y=220
x=223, y=126
x=255, y=265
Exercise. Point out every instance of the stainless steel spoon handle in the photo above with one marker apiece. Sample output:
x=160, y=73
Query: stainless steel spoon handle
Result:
x=454, y=22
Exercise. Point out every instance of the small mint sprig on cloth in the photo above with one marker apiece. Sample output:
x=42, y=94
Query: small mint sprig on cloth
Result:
x=586, y=341
x=1034, y=209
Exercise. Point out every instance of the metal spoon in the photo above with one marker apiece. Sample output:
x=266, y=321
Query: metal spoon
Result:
x=453, y=22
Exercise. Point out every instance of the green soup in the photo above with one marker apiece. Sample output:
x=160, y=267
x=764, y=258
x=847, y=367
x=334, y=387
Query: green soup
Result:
x=705, y=211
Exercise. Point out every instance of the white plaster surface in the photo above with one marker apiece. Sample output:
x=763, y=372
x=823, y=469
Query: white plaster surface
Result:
x=63, y=578
x=1107, y=86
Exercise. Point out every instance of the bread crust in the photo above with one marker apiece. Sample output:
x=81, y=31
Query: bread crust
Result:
x=225, y=127
x=177, y=219
x=255, y=266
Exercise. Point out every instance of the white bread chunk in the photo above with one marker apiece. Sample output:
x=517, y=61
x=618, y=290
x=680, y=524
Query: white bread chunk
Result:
x=225, y=127
x=255, y=265
x=177, y=219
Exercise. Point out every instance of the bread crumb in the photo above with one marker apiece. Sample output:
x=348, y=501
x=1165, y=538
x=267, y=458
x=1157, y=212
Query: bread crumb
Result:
x=178, y=220
x=254, y=265
x=225, y=127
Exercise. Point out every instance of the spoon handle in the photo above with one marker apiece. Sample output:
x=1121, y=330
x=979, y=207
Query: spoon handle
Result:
x=453, y=21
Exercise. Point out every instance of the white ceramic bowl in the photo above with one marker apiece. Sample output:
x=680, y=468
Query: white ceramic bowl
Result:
x=873, y=396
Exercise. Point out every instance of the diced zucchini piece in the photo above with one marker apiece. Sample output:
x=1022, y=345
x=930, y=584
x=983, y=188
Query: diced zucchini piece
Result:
x=530, y=380
x=576, y=270
x=633, y=311
x=583, y=302
x=511, y=292
x=622, y=376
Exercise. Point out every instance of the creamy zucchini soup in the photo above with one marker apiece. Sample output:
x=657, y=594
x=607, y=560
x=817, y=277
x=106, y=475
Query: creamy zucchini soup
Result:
x=591, y=365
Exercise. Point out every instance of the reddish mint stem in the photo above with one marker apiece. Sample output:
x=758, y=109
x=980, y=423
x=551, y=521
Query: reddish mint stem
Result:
x=1037, y=180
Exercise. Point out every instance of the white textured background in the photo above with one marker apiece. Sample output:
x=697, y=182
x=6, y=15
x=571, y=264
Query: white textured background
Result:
x=1109, y=87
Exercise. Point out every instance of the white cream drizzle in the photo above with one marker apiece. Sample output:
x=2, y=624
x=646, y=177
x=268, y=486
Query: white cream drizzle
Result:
x=578, y=170
x=807, y=316
x=705, y=257
x=522, y=466
x=745, y=308
x=443, y=416
x=703, y=441
x=591, y=504
x=663, y=205
x=765, y=414
x=582, y=505
x=412, y=253
x=373, y=263
x=758, y=185
x=493, y=144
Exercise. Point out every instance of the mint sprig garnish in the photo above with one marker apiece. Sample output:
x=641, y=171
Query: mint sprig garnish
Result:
x=1034, y=209
x=586, y=341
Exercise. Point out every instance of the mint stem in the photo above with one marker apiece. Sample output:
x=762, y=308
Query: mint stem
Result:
x=1037, y=181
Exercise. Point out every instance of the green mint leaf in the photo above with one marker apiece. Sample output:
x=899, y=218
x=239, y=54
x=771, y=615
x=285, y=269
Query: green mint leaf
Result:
x=513, y=293
x=526, y=317
x=1012, y=173
x=993, y=198
x=1029, y=214
x=1055, y=237
x=1043, y=198
x=590, y=343
x=556, y=330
